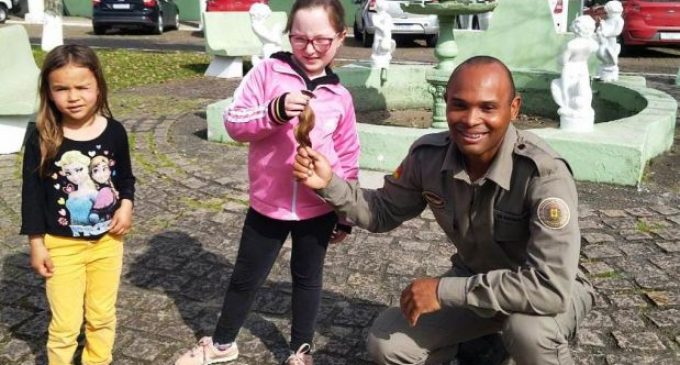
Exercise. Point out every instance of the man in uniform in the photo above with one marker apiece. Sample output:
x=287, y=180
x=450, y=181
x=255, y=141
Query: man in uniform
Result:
x=506, y=200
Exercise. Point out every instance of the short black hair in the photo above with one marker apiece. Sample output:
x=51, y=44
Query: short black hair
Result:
x=486, y=60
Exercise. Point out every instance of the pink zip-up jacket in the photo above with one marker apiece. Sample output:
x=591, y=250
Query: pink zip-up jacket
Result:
x=274, y=192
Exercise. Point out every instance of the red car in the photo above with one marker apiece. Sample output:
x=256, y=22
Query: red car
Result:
x=232, y=5
x=651, y=22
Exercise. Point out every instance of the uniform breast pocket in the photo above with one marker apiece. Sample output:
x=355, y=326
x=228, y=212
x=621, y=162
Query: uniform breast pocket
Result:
x=510, y=227
x=443, y=213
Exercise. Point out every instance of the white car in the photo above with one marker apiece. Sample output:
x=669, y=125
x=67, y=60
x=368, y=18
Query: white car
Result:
x=406, y=25
x=5, y=7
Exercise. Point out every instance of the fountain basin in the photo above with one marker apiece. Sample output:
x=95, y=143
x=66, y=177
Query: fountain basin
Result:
x=633, y=123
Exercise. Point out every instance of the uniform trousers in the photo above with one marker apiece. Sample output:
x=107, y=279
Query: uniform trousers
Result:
x=85, y=284
x=529, y=339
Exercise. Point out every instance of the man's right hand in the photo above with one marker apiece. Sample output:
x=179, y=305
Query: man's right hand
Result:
x=312, y=168
x=40, y=258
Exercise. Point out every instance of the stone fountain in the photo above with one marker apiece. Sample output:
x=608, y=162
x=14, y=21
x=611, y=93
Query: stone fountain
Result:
x=446, y=49
x=633, y=123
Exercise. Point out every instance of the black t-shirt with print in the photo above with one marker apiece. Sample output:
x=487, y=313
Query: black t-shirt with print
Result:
x=84, y=187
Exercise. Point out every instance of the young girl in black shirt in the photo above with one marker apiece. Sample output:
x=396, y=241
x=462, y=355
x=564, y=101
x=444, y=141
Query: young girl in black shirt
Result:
x=77, y=197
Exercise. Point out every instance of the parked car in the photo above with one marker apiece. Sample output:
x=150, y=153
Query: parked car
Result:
x=405, y=24
x=5, y=7
x=154, y=15
x=650, y=22
x=232, y=5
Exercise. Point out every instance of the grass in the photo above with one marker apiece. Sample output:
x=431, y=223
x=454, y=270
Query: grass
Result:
x=126, y=68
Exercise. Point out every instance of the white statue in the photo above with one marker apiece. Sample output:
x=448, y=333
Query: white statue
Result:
x=608, y=30
x=572, y=91
x=270, y=36
x=383, y=44
x=53, y=29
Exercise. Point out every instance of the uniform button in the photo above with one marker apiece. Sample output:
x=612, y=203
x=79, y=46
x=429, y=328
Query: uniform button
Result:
x=521, y=146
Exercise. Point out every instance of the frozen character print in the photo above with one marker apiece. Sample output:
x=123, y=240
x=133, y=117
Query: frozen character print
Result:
x=107, y=196
x=81, y=190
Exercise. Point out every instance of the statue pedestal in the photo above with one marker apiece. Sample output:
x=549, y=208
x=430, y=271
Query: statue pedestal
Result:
x=582, y=122
x=608, y=73
x=53, y=34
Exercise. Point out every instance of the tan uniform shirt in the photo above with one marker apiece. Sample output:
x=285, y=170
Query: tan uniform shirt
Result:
x=516, y=228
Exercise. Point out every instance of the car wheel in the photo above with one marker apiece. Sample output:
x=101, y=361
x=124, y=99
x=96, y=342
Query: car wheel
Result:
x=431, y=40
x=367, y=39
x=3, y=13
x=357, y=34
x=99, y=29
x=176, y=25
x=159, y=25
x=627, y=49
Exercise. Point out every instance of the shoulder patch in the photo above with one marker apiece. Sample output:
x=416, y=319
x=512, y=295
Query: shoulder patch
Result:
x=553, y=213
x=397, y=173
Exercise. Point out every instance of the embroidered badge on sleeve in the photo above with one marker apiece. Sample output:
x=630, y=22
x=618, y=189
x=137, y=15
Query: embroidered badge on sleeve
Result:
x=553, y=213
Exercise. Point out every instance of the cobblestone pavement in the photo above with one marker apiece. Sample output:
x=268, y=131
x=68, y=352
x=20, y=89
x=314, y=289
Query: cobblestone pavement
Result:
x=191, y=200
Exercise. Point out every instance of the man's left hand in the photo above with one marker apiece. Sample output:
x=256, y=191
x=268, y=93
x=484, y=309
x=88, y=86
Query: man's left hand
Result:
x=418, y=298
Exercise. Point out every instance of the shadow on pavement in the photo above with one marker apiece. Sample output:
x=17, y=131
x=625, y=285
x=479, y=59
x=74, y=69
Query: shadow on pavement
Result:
x=196, y=281
x=25, y=313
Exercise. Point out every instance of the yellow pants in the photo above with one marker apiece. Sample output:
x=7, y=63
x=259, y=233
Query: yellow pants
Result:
x=85, y=284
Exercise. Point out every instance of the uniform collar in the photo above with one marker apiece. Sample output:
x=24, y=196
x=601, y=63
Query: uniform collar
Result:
x=500, y=170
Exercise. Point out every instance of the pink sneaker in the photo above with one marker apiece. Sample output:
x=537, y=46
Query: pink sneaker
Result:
x=300, y=357
x=205, y=354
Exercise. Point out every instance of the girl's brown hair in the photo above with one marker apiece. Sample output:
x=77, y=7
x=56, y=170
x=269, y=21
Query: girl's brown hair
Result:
x=49, y=119
x=336, y=13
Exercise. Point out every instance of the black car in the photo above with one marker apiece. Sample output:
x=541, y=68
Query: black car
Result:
x=154, y=15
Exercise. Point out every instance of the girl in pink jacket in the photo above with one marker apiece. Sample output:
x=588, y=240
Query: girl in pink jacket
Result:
x=265, y=113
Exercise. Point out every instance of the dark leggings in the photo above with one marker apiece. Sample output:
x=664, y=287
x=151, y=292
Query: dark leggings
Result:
x=261, y=241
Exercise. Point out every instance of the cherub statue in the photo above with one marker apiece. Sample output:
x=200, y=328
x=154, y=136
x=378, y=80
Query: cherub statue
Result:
x=270, y=36
x=608, y=30
x=572, y=91
x=383, y=44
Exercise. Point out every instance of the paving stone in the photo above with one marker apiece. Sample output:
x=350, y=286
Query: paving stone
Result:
x=628, y=320
x=675, y=219
x=639, y=212
x=627, y=300
x=656, y=281
x=589, y=224
x=669, y=318
x=144, y=348
x=600, y=251
x=597, y=268
x=587, y=337
x=638, y=341
x=670, y=234
x=14, y=350
x=665, y=210
x=613, y=213
x=628, y=223
x=666, y=262
x=597, y=319
x=638, y=249
x=595, y=237
x=669, y=247
x=11, y=317
x=664, y=298
x=645, y=359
